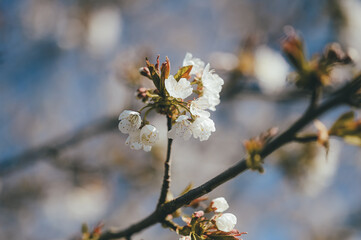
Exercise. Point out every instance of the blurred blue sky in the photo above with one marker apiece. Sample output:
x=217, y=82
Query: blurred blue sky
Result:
x=58, y=72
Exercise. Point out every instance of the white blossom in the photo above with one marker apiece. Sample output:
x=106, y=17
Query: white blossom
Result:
x=211, y=81
x=213, y=99
x=149, y=135
x=197, y=64
x=226, y=222
x=271, y=69
x=133, y=140
x=202, y=128
x=142, y=138
x=219, y=204
x=212, y=86
x=130, y=121
x=178, y=89
x=198, y=107
x=181, y=129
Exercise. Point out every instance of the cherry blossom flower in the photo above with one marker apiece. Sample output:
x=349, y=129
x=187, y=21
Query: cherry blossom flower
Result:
x=143, y=138
x=197, y=64
x=211, y=81
x=133, y=140
x=129, y=121
x=149, y=135
x=198, y=107
x=219, y=204
x=181, y=128
x=178, y=89
x=212, y=86
x=202, y=127
x=212, y=99
x=226, y=222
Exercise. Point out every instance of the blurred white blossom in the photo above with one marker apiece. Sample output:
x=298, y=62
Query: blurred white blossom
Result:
x=320, y=173
x=105, y=26
x=223, y=60
x=271, y=69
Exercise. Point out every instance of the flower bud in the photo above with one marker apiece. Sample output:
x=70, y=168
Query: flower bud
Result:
x=142, y=94
x=145, y=72
x=198, y=214
x=226, y=222
x=165, y=69
x=219, y=204
x=292, y=46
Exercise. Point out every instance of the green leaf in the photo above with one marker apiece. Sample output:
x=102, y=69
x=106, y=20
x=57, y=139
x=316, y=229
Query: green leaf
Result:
x=183, y=72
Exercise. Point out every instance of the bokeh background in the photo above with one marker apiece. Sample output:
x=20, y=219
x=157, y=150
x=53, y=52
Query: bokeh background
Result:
x=68, y=68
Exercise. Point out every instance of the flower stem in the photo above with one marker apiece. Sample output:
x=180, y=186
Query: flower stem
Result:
x=167, y=164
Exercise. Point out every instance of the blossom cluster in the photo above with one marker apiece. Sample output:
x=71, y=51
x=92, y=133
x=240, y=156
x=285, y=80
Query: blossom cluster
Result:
x=189, y=117
x=209, y=85
x=139, y=138
x=220, y=226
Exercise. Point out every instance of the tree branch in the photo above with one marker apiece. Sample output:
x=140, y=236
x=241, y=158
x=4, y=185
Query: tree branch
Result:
x=338, y=98
x=305, y=139
x=166, y=178
x=8, y=165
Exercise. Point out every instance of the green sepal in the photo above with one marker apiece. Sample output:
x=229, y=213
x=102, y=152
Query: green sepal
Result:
x=347, y=127
x=342, y=121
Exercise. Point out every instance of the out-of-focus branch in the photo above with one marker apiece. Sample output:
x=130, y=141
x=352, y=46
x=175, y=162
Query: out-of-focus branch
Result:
x=54, y=147
x=338, y=98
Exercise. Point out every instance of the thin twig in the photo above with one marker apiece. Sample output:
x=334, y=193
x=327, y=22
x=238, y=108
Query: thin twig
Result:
x=167, y=164
x=315, y=98
x=340, y=97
